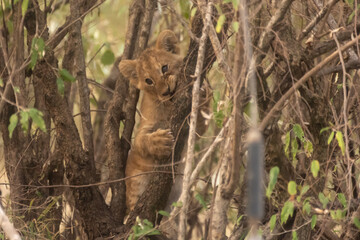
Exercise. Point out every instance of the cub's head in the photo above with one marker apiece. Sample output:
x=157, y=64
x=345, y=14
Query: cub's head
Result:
x=155, y=70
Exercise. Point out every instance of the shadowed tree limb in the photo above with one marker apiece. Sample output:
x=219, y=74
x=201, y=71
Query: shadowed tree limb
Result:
x=122, y=106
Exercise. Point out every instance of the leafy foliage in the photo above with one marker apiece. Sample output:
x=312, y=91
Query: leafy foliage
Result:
x=25, y=116
x=274, y=172
x=142, y=228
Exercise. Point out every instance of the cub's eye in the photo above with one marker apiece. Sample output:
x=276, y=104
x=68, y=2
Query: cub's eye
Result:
x=149, y=81
x=164, y=68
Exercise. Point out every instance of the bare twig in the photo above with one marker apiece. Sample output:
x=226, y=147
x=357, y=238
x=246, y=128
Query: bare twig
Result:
x=193, y=119
x=54, y=41
x=351, y=64
x=183, y=23
x=334, y=25
x=268, y=34
x=301, y=81
x=8, y=227
x=218, y=49
x=316, y=19
x=205, y=157
x=345, y=114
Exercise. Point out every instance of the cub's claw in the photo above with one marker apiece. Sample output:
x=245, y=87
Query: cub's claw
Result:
x=161, y=142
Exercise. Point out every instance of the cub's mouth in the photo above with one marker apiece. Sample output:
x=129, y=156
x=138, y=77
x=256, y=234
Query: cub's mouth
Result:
x=173, y=91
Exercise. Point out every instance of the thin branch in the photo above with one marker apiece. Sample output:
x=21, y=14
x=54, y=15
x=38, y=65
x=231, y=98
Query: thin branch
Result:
x=333, y=26
x=205, y=157
x=218, y=49
x=101, y=86
x=268, y=34
x=183, y=23
x=80, y=70
x=316, y=19
x=193, y=119
x=351, y=64
x=301, y=81
x=346, y=136
x=54, y=41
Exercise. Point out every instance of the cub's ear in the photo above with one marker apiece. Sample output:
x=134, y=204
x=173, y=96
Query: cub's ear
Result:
x=128, y=69
x=168, y=42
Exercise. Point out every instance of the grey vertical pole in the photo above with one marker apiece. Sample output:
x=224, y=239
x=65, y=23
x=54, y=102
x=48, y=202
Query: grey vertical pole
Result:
x=255, y=168
x=255, y=164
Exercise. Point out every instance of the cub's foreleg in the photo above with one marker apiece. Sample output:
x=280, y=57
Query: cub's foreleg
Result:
x=154, y=143
x=148, y=146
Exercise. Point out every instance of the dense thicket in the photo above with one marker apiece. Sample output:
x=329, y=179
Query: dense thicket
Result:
x=67, y=118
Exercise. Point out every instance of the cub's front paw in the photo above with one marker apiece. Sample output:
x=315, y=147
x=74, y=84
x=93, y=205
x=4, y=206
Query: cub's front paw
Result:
x=160, y=143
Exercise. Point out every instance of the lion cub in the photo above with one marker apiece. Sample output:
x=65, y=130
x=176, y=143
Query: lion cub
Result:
x=154, y=72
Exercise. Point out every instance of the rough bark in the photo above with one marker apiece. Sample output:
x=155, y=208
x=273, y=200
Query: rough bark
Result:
x=122, y=106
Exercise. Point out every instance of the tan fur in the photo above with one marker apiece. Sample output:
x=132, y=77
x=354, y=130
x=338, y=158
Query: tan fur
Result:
x=151, y=141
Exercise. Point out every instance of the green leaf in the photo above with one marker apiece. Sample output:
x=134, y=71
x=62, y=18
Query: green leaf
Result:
x=287, y=143
x=292, y=188
x=60, y=85
x=201, y=200
x=24, y=6
x=108, y=57
x=12, y=124
x=220, y=23
x=287, y=211
x=235, y=26
x=274, y=172
x=38, y=45
x=306, y=207
x=304, y=189
x=239, y=219
x=294, y=235
x=16, y=89
x=24, y=120
x=1, y=82
x=340, y=139
x=65, y=75
x=331, y=137
x=33, y=59
x=294, y=149
x=177, y=204
x=357, y=222
x=352, y=15
x=37, y=50
x=185, y=8
x=37, y=117
x=299, y=132
x=193, y=12
x=324, y=129
x=324, y=200
x=337, y=214
x=315, y=167
x=308, y=147
x=93, y=102
x=342, y=199
x=313, y=221
x=164, y=213
x=272, y=222
x=41, y=47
